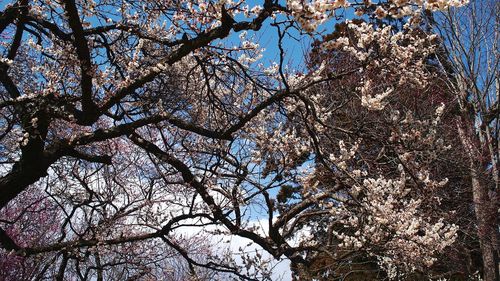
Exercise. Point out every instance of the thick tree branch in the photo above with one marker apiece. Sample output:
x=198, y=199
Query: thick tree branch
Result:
x=7, y=242
x=83, y=52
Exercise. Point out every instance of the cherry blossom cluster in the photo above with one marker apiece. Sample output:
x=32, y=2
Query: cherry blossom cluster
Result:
x=390, y=212
x=389, y=217
x=397, y=57
x=311, y=14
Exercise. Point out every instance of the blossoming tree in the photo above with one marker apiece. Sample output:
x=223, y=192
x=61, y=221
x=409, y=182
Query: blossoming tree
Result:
x=380, y=141
x=139, y=119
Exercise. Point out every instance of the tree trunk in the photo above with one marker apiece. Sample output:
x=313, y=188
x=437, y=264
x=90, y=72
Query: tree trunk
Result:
x=484, y=210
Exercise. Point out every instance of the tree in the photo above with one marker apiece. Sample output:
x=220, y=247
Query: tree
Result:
x=138, y=119
x=27, y=224
x=387, y=135
x=471, y=58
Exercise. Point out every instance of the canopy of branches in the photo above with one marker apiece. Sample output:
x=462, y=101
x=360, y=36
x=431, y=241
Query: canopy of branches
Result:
x=138, y=137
